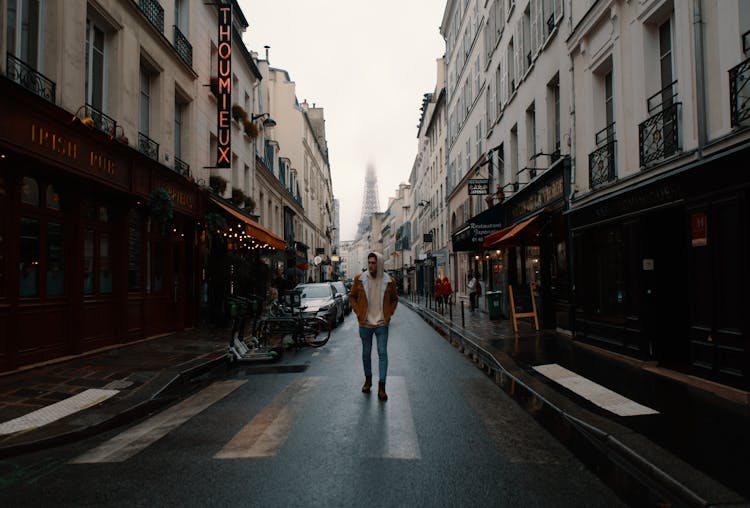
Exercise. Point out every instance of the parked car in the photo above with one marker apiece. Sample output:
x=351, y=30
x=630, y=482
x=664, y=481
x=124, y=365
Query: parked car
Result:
x=344, y=292
x=320, y=299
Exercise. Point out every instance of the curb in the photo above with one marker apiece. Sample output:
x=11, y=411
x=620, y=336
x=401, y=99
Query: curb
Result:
x=636, y=479
x=156, y=401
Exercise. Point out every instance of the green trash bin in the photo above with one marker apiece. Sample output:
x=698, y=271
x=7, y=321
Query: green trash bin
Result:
x=494, y=299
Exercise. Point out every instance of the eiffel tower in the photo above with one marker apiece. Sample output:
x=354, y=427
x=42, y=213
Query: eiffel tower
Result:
x=370, y=202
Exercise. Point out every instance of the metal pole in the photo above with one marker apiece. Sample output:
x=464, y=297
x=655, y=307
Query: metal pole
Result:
x=450, y=308
x=463, y=322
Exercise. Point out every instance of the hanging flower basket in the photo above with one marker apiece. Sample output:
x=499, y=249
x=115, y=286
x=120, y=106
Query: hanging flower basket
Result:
x=160, y=207
x=215, y=222
x=218, y=184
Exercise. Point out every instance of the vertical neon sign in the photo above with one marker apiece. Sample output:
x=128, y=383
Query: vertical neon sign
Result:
x=224, y=124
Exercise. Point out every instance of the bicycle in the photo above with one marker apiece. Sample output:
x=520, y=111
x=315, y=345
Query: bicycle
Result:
x=243, y=348
x=290, y=321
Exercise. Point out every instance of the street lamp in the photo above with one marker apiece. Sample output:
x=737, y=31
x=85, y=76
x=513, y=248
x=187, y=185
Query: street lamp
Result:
x=267, y=122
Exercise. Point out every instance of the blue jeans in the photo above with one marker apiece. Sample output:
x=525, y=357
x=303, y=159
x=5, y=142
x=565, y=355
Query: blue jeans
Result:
x=381, y=334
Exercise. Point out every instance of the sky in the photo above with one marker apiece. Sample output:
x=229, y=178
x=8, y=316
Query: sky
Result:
x=368, y=65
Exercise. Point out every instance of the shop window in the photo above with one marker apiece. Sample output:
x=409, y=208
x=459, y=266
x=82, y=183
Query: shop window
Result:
x=154, y=261
x=135, y=250
x=30, y=192
x=97, y=262
x=55, y=260
x=29, y=258
x=3, y=226
x=53, y=198
x=42, y=249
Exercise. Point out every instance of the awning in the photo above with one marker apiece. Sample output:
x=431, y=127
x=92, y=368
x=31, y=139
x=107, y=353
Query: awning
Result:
x=511, y=234
x=252, y=228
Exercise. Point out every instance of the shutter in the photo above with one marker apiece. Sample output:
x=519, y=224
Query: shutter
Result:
x=533, y=9
x=503, y=78
x=558, y=10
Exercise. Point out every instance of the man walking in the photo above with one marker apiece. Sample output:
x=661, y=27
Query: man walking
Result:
x=374, y=298
x=471, y=287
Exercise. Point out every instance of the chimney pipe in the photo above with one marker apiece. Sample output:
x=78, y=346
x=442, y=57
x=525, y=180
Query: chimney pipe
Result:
x=267, y=48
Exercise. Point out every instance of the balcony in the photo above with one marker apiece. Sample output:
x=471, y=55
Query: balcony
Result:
x=148, y=146
x=154, y=12
x=18, y=72
x=739, y=93
x=602, y=160
x=101, y=121
x=180, y=166
x=659, y=136
x=182, y=46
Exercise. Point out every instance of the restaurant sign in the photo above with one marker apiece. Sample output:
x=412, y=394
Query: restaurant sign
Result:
x=479, y=186
x=224, y=88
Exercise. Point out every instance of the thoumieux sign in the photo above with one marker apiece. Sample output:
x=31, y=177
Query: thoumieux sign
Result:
x=224, y=123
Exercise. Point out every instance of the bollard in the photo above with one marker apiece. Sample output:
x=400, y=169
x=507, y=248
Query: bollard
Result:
x=463, y=323
x=450, y=310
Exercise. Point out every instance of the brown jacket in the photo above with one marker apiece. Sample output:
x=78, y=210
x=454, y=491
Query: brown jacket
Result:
x=358, y=296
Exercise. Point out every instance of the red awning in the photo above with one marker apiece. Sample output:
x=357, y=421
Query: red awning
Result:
x=252, y=228
x=509, y=235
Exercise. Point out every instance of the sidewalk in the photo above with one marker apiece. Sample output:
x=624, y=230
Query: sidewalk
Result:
x=693, y=453
x=137, y=378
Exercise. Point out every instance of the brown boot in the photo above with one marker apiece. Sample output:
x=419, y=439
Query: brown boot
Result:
x=368, y=384
x=381, y=391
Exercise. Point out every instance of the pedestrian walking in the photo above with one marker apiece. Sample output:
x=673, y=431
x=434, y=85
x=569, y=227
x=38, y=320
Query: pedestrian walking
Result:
x=471, y=287
x=439, y=292
x=374, y=298
x=447, y=290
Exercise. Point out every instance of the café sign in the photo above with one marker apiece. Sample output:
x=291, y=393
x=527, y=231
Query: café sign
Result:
x=479, y=186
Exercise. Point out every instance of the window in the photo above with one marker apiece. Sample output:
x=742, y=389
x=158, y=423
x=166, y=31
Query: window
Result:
x=94, y=78
x=179, y=118
x=97, y=256
x=609, y=100
x=531, y=136
x=3, y=232
x=511, y=54
x=135, y=250
x=145, y=100
x=42, y=249
x=181, y=16
x=553, y=101
x=24, y=30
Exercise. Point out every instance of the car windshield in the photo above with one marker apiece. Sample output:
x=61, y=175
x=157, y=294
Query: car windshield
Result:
x=340, y=287
x=316, y=291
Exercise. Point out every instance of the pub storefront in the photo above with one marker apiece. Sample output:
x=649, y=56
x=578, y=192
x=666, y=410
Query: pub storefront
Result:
x=97, y=241
x=662, y=273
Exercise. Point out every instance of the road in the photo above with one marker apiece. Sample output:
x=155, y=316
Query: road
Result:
x=447, y=436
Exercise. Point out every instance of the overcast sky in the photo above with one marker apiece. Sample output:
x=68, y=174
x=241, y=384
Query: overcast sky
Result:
x=367, y=64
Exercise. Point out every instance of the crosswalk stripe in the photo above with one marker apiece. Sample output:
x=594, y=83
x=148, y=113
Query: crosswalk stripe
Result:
x=129, y=443
x=599, y=395
x=56, y=411
x=267, y=432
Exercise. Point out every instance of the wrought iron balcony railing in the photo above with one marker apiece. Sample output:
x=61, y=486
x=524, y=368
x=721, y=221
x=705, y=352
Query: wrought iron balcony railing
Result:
x=659, y=135
x=101, y=121
x=739, y=92
x=181, y=167
x=532, y=171
x=154, y=12
x=182, y=46
x=148, y=146
x=19, y=72
x=602, y=168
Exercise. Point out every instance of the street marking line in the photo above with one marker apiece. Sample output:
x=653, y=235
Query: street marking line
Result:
x=269, y=429
x=56, y=411
x=397, y=439
x=589, y=390
x=130, y=442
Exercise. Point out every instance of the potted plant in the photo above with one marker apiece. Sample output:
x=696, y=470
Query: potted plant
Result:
x=238, y=196
x=218, y=184
x=249, y=203
x=239, y=113
x=250, y=129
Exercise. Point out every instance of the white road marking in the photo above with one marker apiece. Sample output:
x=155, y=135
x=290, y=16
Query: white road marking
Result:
x=397, y=438
x=130, y=442
x=268, y=431
x=599, y=395
x=56, y=411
